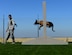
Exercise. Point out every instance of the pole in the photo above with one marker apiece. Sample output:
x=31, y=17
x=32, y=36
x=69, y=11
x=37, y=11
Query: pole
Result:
x=44, y=18
x=3, y=28
x=38, y=27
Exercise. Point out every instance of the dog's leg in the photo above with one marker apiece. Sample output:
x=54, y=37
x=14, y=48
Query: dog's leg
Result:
x=40, y=26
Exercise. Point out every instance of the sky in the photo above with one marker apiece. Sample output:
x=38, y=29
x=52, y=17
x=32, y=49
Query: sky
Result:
x=25, y=12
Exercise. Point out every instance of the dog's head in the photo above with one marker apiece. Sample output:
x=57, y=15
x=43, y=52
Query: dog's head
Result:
x=36, y=22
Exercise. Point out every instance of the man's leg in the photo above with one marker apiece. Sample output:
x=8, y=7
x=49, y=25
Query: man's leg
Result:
x=13, y=36
x=8, y=37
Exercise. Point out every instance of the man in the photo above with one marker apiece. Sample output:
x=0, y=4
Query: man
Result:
x=11, y=28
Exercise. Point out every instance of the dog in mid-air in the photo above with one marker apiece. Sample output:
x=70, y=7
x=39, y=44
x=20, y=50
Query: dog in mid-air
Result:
x=48, y=24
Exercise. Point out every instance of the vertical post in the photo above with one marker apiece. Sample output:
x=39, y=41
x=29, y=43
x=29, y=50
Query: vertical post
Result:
x=38, y=27
x=44, y=18
x=3, y=28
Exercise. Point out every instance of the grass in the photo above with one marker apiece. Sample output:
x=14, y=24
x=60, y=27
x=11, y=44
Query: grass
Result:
x=18, y=49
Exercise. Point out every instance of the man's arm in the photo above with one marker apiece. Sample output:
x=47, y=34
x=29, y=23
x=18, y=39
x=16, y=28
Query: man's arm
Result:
x=14, y=23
